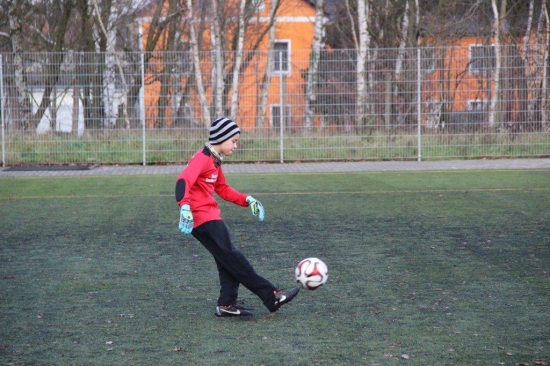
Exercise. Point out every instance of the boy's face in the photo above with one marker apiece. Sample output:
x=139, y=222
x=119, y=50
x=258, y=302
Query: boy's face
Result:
x=228, y=146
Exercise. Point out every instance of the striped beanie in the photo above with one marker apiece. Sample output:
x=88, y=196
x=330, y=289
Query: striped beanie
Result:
x=222, y=130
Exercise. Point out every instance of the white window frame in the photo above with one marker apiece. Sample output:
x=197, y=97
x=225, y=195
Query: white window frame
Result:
x=474, y=70
x=274, y=122
x=482, y=103
x=276, y=57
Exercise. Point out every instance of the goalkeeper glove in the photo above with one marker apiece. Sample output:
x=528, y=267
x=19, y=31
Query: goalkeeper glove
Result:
x=186, y=219
x=256, y=207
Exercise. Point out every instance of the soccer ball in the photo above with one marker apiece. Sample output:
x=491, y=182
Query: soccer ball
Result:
x=311, y=273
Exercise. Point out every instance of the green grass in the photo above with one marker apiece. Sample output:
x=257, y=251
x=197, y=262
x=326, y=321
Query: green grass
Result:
x=444, y=268
x=169, y=146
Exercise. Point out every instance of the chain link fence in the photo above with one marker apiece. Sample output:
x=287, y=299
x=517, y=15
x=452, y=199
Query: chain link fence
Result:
x=422, y=103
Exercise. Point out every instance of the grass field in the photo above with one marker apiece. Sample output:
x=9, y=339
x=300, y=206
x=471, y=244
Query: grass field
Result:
x=426, y=268
x=170, y=145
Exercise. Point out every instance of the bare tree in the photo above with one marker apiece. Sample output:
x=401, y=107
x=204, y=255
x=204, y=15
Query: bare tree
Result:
x=231, y=41
x=401, y=51
x=535, y=64
x=16, y=16
x=363, y=14
x=499, y=22
x=98, y=34
x=241, y=30
x=218, y=69
x=319, y=30
x=162, y=26
x=528, y=29
x=544, y=84
x=109, y=77
x=525, y=82
x=195, y=54
x=266, y=79
x=37, y=26
x=250, y=29
x=169, y=56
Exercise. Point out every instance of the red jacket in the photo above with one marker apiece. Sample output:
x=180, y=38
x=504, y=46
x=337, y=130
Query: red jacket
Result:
x=202, y=178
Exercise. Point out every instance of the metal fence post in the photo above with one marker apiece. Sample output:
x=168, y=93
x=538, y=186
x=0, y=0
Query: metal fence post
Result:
x=419, y=102
x=142, y=109
x=281, y=108
x=2, y=112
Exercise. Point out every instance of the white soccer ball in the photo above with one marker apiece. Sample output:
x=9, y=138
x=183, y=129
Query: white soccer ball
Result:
x=311, y=273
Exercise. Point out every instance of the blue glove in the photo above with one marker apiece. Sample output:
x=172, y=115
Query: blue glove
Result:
x=186, y=219
x=256, y=207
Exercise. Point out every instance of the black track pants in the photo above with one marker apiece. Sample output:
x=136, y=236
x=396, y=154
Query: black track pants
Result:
x=233, y=267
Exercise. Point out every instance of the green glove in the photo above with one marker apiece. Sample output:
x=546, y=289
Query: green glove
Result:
x=256, y=207
x=186, y=219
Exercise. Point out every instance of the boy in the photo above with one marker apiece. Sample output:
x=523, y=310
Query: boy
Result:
x=201, y=217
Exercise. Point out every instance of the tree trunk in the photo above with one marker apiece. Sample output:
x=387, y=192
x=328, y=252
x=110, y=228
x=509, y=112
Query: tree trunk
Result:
x=109, y=87
x=76, y=106
x=401, y=51
x=113, y=63
x=146, y=47
x=16, y=39
x=266, y=80
x=363, y=10
x=525, y=106
x=544, y=84
x=534, y=81
x=53, y=65
x=177, y=64
x=314, y=63
x=169, y=68
x=398, y=86
x=528, y=31
x=197, y=68
x=498, y=18
x=237, y=64
x=218, y=67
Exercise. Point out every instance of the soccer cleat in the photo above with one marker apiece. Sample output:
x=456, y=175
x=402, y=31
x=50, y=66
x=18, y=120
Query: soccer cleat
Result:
x=284, y=296
x=233, y=310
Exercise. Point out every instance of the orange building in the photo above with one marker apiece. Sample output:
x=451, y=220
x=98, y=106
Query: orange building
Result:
x=462, y=76
x=294, y=30
x=457, y=78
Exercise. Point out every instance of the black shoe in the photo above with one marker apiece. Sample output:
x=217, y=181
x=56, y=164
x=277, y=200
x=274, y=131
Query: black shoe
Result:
x=284, y=296
x=233, y=310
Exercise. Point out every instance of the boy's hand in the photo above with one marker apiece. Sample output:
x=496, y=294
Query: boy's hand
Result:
x=186, y=219
x=256, y=207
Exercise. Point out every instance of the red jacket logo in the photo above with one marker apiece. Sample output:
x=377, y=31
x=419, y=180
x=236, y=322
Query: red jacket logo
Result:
x=213, y=179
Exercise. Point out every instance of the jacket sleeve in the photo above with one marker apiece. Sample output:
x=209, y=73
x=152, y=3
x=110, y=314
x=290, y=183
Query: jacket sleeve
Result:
x=228, y=193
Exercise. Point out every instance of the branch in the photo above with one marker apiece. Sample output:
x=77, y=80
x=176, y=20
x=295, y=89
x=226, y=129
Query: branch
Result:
x=120, y=70
x=41, y=35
